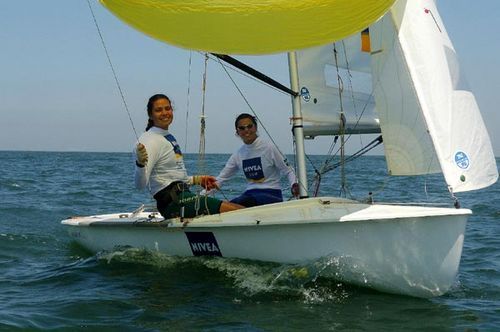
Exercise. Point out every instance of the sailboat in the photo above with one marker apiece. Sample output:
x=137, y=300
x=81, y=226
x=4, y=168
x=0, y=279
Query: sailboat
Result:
x=429, y=123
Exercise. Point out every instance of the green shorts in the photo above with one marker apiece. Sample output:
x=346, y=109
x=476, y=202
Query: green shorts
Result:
x=170, y=205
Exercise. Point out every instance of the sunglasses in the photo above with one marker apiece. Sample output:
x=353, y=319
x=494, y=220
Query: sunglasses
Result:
x=250, y=126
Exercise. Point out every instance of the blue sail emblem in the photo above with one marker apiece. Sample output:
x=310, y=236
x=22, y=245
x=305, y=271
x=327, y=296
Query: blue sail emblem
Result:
x=462, y=160
x=304, y=93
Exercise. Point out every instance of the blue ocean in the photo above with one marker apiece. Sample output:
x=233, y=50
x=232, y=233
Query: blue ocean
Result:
x=48, y=282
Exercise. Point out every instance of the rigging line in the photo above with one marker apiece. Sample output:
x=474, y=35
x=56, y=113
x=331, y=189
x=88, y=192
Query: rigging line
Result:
x=201, y=151
x=242, y=73
x=187, y=102
x=377, y=141
x=365, y=149
x=312, y=164
x=251, y=109
x=348, y=136
x=223, y=192
x=113, y=70
x=317, y=178
x=332, y=146
x=432, y=160
x=358, y=118
x=343, y=186
x=255, y=73
x=329, y=159
x=349, y=75
x=285, y=159
x=326, y=167
x=348, y=67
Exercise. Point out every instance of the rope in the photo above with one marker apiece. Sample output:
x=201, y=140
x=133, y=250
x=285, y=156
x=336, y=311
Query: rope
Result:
x=348, y=68
x=253, y=112
x=201, y=151
x=317, y=177
x=285, y=159
x=326, y=167
x=187, y=101
x=373, y=144
x=113, y=70
x=343, y=186
x=242, y=73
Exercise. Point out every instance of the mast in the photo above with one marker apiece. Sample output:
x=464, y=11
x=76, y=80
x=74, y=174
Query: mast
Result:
x=297, y=125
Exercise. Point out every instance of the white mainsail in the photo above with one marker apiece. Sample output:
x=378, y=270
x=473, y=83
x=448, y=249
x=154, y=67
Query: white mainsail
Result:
x=429, y=119
x=321, y=100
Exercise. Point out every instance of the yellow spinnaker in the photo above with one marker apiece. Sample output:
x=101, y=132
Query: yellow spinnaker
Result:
x=248, y=26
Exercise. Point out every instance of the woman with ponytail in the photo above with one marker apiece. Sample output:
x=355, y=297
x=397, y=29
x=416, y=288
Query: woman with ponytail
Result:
x=160, y=166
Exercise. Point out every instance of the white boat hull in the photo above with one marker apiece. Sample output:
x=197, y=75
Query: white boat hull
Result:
x=409, y=250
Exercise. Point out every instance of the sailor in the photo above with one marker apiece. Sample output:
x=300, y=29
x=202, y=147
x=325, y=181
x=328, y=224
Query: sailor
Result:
x=262, y=164
x=160, y=166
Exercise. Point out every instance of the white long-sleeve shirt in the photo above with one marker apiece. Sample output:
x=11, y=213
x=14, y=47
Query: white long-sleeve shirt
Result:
x=165, y=162
x=262, y=164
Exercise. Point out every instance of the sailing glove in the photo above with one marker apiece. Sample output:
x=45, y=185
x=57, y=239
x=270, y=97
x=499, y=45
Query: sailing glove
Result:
x=142, y=155
x=206, y=181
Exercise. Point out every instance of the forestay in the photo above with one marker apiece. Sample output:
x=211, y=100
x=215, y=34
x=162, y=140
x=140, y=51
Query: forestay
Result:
x=248, y=27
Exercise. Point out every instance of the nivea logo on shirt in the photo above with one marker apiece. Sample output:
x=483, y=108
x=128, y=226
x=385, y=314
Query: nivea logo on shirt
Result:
x=253, y=169
x=173, y=141
x=203, y=244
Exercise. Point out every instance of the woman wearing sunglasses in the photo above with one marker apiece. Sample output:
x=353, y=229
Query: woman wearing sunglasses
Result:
x=262, y=164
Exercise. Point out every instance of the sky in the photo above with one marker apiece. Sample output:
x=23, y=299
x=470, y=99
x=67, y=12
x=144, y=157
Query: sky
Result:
x=58, y=93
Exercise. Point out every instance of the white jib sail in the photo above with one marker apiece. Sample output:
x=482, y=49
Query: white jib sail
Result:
x=429, y=119
x=427, y=115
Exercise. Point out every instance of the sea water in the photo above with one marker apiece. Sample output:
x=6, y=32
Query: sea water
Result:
x=47, y=281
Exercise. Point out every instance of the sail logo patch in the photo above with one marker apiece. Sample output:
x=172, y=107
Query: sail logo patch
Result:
x=253, y=169
x=304, y=93
x=203, y=244
x=462, y=160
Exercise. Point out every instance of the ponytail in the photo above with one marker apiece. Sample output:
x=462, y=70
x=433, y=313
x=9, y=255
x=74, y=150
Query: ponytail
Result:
x=149, y=125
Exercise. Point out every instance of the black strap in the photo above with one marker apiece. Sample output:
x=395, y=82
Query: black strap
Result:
x=171, y=193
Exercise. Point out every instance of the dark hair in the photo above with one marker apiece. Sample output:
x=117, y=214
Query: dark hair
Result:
x=245, y=116
x=149, y=107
